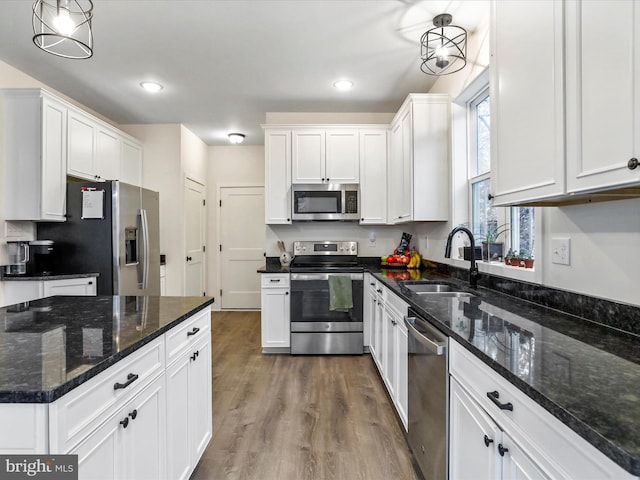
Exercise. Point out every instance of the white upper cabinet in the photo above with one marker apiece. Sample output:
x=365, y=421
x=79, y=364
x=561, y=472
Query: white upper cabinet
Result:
x=373, y=176
x=527, y=101
x=34, y=155
x=131, y=162
x=603, y=95
x=325, y=155
x=277, y=177
x=107, y=158
x=81, y=145
x=418, y=169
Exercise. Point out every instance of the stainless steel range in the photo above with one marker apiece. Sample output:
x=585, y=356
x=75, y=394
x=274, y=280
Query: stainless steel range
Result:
x=326, y=298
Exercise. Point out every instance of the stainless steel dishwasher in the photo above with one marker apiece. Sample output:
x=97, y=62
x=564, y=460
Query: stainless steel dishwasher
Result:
x=428, y=397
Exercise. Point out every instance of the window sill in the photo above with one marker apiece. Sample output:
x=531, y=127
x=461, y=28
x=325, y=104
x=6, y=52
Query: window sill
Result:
x=500, y=269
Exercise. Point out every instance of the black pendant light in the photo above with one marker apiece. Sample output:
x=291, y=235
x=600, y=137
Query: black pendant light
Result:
x=444, y=47
x=63, y=27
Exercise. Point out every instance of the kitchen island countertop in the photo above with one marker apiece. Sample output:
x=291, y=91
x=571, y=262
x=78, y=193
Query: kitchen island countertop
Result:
x=50, y=346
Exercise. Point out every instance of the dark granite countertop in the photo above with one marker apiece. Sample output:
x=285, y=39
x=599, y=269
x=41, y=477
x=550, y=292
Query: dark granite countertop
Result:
x=584, y=373
x=35, y=278
x=50, y=346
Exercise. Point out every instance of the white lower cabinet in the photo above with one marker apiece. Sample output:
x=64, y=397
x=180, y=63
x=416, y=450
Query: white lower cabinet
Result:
x=188, y=406
x=525, y=441
x=27, y=290
x=389, y=344
x=130, y=444
x=275, y=312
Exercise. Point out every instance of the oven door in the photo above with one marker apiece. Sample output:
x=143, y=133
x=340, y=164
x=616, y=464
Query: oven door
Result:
x=315, y=329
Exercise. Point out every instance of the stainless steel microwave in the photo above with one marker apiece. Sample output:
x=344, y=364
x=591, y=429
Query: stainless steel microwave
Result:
x=325, y=201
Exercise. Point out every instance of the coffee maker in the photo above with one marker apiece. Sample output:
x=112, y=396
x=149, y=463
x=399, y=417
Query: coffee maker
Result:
x=29, y=257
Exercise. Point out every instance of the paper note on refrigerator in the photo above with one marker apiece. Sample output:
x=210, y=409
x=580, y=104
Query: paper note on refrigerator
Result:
x=92, y=204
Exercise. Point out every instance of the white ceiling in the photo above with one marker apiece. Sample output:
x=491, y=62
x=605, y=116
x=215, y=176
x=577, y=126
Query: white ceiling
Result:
x=225, y=63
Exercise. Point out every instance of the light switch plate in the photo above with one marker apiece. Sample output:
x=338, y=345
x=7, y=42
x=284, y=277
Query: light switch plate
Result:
x=561, y=251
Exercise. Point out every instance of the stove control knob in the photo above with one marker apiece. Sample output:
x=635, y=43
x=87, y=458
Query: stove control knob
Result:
x=353, y=248
x=304, y=248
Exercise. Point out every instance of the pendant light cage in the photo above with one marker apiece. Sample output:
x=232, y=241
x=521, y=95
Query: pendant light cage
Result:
x=443, y=48
x=63, y=27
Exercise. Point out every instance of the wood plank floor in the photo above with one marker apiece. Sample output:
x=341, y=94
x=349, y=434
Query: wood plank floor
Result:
x=297, y=417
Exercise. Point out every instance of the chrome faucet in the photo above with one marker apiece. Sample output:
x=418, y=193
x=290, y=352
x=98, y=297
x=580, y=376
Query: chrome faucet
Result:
x=473, y=269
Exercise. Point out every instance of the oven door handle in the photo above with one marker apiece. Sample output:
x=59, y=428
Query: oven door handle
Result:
x=323, y=276
x=438, y=348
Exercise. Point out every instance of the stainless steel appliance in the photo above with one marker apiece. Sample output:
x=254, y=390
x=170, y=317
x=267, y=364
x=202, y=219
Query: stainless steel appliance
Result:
x=316, y=327
x=112, y=230
x=29, y=257
x=18, y=253
x=428, y=397
x=325, y=201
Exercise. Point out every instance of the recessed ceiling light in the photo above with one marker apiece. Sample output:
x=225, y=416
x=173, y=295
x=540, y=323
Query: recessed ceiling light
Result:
x=152, y=87
x=343, y=85
x=236, y=138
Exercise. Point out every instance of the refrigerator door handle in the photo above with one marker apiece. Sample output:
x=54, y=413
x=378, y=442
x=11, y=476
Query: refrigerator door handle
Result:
x=143, y=272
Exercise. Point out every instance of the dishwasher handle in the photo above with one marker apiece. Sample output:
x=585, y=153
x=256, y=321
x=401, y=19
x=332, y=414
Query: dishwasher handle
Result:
x=438, y=348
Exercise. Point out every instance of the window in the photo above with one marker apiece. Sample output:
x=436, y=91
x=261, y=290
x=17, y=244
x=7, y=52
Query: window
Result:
x=516, y=223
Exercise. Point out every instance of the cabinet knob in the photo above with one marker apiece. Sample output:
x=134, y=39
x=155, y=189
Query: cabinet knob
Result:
x=487, y=441
x=189, y=259
x=494, y=396
x=90, y=283
x=328, y=179
x=134, y=414
x=193, y=331
x=632, y=164
x=502, y=450
x=489, y=197
x=288, y=219
x=286, y=293
x=125, y=422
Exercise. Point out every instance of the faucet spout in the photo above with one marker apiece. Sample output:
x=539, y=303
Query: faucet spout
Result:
x=473, y=269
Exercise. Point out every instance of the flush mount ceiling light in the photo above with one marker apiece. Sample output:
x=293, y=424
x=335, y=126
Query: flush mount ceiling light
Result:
x=63, y=27
x=236, y=138
x=444, y=47
x=152, y=87
x=343, y=85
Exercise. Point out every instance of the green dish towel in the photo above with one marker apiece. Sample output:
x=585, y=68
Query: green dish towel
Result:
x=340, y=294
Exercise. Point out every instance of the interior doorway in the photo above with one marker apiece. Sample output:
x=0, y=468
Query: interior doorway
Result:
x=194, y=219
x=241, y=250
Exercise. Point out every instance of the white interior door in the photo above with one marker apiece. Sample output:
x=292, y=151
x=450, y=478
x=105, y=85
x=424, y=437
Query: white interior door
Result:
x=242, y=239
x=194, y=215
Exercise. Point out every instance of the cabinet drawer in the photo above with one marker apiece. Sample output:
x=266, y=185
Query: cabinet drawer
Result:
x=555, y=446
x=181, y=337
x=77, y=413
x=272, y=280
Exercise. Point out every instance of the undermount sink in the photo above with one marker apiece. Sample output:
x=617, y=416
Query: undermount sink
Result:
x=439, y=289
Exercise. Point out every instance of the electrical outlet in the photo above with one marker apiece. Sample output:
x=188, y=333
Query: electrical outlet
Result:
x=372, y=239
x=561, y=251
x=12, y=229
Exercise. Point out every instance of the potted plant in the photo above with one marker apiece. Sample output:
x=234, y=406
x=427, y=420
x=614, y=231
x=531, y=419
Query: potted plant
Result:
x=510, y=258
x=526, y=259
x=492, y=249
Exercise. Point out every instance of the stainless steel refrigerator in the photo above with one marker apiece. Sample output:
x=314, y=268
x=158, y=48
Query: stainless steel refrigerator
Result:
x=112, y=228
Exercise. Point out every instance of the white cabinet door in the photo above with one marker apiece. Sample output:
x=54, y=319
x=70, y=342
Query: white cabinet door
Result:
x=373, y=176
x=179, y=462
x=22, y=291
x=516, y=465
x=275, y=318
x=277, y=177
x=395, y=194
x=473, y=438
x=367, y=309
x=131, y=162
x=145, y=448
x=71, y=286
x=81, y=145
x=100, y=456
x=527, y=101
x=54, y=161
x=376, y=327
x=200, y=420
x=603, y=104
x=342, y=162
x=388, y=360
x=402, y=371
x=308, y=156
x=108, y=151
